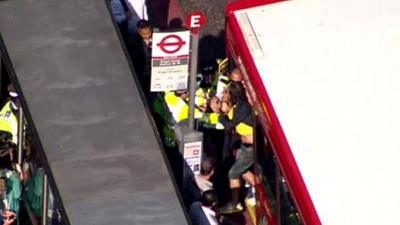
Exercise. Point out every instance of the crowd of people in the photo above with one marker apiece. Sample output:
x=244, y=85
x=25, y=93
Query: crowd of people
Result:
x=222, y=112
x=21, y=171
x=228, y=112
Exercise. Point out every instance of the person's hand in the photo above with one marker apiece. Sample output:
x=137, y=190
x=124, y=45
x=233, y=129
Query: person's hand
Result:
x=9, y=217
x=215, y=104
x=225, y=103
x=203, y=107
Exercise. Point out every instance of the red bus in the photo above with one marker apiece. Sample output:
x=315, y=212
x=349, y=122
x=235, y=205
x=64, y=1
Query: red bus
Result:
x=324, y=78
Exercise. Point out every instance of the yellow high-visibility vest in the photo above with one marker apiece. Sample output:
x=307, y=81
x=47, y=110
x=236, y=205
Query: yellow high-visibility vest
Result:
x=9, y=122
x=179, y=108
x=201, y=97
x=213, y=118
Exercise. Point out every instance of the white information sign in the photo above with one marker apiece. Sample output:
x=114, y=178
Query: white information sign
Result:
x=170, y=60
x=192, y=155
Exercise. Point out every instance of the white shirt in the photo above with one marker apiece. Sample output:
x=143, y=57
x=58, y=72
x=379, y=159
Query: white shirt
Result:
x=203, y=184
x=210, y=215
x=139, y=7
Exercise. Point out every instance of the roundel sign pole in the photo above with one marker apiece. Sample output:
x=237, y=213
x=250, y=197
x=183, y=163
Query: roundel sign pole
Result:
x=191, y=141
x=194, y=22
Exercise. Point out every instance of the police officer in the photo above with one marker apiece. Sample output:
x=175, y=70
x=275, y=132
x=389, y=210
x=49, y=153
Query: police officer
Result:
x=9, y=114
x=177, y=102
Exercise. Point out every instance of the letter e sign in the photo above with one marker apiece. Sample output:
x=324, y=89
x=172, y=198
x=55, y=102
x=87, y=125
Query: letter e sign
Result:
x=195, y=20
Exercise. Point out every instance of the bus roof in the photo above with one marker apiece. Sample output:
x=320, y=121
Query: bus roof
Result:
x=331, y=70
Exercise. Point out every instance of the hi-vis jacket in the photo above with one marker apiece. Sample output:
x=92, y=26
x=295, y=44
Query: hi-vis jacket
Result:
x=9, y=122
x=179, y=108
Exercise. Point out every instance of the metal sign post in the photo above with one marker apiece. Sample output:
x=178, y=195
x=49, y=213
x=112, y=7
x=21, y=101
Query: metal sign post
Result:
x=189, y=140
x=190, y=144
x=192, y=77
x=194, y=21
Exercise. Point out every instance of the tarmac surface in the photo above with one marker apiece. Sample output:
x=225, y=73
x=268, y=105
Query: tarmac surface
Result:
x=212, y=36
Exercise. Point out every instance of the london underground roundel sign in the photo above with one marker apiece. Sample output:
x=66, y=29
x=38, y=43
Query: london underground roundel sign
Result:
x=171, y=43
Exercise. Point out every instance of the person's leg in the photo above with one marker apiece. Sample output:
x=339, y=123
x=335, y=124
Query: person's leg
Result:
x=244, y=160
x=250, y=195
x=249, y=178
x=234, y=184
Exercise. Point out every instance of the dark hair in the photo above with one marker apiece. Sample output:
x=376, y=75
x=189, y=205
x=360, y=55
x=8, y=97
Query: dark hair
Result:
x=237, y=92
x=207, y=167
x=141, y=24
x=209, y=198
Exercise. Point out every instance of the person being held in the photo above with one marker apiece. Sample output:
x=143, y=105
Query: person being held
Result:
x=218, y=101
x=239, y=120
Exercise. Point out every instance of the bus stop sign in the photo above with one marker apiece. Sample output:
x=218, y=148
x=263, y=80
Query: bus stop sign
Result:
x=195, y=20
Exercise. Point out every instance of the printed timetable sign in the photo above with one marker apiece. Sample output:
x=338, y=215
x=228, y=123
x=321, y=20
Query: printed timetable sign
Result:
x=170, y=60
x=192, y=155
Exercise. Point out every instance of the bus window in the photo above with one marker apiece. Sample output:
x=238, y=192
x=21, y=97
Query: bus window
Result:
x=275, y=202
